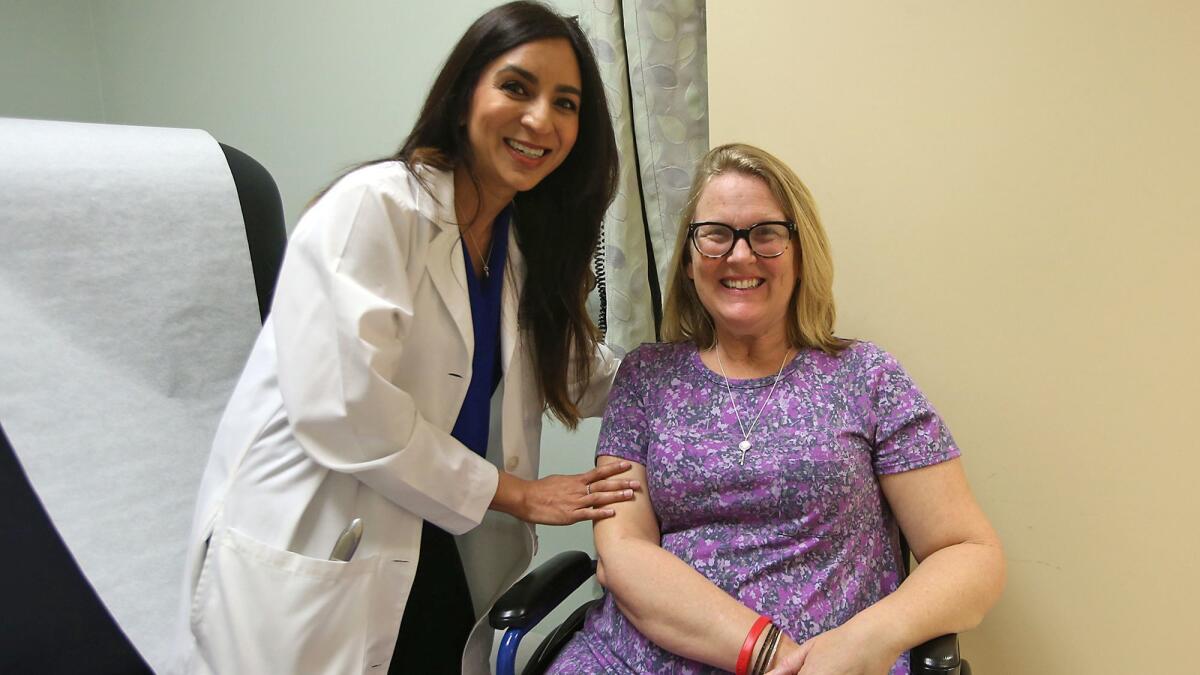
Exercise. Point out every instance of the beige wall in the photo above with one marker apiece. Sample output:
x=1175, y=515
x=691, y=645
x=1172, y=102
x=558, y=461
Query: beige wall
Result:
x=1011, y=191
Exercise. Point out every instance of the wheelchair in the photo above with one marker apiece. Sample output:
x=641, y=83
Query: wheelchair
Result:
x=540, y=591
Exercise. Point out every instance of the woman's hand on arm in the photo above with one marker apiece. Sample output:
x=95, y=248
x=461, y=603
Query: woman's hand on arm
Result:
x=563, y=500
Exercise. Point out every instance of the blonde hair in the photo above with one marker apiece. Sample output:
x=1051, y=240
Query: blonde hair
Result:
x=811, y=311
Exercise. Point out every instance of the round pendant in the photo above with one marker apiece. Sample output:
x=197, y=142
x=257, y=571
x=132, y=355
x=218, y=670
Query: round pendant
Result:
x=744, y=446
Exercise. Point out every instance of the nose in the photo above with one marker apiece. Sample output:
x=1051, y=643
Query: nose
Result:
x=537, y=117
x=741, y=251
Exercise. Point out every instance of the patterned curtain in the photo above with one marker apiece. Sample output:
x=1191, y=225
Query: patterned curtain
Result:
x=652, y=56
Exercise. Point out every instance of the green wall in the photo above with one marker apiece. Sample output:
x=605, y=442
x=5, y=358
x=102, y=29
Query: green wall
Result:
x=48, y=62
x=306, y=88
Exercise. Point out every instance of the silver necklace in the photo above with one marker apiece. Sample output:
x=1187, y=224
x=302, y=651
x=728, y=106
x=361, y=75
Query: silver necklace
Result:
x=478, y=250
x=745, y=445
x=479, y=253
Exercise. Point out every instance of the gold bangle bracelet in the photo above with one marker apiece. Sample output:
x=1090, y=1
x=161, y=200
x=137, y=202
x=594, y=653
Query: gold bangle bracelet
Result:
x=760, y=663
x=771, y=651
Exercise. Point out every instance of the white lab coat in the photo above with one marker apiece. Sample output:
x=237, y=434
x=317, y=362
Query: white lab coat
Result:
x=344, y=410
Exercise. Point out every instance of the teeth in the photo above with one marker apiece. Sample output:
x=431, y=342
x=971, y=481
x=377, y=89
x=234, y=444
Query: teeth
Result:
x=532, y=153
x=741, y=283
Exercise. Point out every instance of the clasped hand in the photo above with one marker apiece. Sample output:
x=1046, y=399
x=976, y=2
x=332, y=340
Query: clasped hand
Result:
x=835, y=652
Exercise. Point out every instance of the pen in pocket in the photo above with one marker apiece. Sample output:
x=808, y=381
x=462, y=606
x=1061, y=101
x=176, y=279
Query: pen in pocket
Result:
x=347, y=541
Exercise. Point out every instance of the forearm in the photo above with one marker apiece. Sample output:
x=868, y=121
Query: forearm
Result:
x=510, y=495
x=432, y=475
x=949, y=592
x=673, y=605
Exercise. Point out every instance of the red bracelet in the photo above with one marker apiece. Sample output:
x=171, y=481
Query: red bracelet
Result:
x=743, y=661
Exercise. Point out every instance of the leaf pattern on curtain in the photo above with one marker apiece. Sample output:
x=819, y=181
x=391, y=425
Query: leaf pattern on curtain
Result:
x=652, y=56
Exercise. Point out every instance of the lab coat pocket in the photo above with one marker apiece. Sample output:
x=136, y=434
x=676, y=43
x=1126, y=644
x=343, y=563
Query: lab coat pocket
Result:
x=259, y=609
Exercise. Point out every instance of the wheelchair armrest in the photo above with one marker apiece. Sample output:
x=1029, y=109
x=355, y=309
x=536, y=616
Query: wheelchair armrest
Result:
x=938, y=656
x=538, y=592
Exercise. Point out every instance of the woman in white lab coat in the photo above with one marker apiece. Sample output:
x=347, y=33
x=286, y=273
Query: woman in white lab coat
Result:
x=429, y=310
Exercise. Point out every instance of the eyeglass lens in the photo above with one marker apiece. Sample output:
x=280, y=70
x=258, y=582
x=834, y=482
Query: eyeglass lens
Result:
x=766, y=240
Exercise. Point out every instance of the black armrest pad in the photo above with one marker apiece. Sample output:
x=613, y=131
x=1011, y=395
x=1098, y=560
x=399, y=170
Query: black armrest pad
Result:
x=532, y=598
x=939, y=655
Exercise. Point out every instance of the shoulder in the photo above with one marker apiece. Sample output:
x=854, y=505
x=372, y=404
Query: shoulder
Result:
x=859, y=358
x=392, y=181
x=383, y=202
x=652, y=364
x=871, y=374
x=658, y=354
x=647, y=376
x=862, y=368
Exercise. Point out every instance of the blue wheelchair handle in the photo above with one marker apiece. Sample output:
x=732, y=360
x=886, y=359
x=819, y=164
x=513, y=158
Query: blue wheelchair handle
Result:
x=506, y=658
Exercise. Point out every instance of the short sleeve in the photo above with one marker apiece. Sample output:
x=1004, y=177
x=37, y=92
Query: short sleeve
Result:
x=908, y=432
x=623, y=432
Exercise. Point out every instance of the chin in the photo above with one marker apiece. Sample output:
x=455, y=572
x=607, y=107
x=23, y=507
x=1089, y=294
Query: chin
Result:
x=526, y=185
x=744, y=325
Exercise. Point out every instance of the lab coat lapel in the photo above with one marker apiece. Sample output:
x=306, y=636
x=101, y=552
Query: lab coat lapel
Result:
x=447, y=269
x=514, y=277
x=445, y=264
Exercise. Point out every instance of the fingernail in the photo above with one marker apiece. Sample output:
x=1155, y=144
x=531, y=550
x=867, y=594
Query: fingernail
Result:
x=627, y=493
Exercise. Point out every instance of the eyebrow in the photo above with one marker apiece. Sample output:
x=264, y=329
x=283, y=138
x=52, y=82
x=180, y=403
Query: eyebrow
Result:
x=564, y=88
x=769, y=221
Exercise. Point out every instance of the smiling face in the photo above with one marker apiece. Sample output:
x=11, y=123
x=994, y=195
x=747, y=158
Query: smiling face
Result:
x=524, y=116
x=746, y=296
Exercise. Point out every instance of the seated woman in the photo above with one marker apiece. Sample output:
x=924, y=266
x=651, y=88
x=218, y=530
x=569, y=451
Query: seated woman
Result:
x=779, y=461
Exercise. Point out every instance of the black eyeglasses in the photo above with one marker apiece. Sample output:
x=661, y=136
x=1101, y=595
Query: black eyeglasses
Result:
x=768, y=239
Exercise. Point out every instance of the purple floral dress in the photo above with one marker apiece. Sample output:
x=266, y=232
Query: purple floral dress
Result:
x=800, y=532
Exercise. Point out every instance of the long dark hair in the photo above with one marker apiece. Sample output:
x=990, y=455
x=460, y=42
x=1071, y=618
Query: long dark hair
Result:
x=557, y=223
